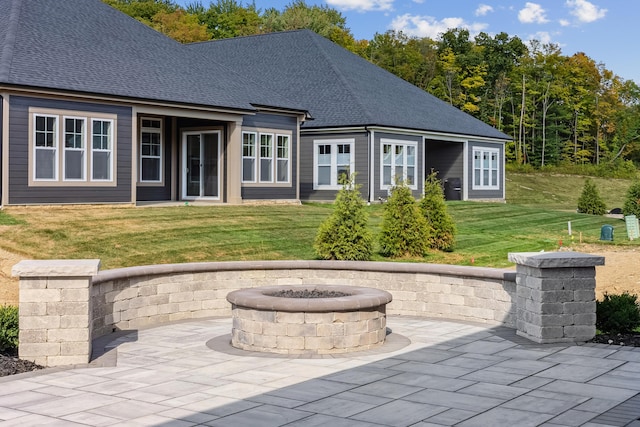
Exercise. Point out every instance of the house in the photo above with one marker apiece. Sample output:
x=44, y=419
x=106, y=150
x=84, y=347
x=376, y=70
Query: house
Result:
x=98, y=108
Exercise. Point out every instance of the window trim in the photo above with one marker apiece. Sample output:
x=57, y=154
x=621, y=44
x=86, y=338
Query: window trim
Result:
x=101, y=150
x=160, y=131
x=334, y=165
x=394, y=143
x=60, y=115
x=481, y=186
x=274, y=133
x=34, y=148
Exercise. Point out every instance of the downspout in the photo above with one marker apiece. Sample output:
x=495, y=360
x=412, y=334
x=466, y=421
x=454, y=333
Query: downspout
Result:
x=135, y=161
x=371, y=135
x=465, y=172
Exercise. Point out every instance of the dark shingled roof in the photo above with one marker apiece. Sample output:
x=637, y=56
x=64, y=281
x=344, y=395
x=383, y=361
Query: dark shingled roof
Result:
x=87, y=46
x=339, y=88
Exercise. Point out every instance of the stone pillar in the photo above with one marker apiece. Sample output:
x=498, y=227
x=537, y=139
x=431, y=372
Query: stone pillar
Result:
x=555, y=296
x=55, y=310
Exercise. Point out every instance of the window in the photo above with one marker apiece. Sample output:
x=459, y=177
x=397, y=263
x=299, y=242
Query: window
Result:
x=71, y=148
x=102, y=160
x=46, y=147
x=282, y=158
x=151, y=150
x=249, y=156
x=486, y=174
x=74, y=148
x=399, y=163
x=332, y=159
x=266, y=157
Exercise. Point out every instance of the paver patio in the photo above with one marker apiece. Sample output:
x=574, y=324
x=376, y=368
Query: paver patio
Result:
x=430, y=373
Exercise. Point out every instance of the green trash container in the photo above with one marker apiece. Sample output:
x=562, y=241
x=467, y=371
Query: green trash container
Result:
x=606, y=232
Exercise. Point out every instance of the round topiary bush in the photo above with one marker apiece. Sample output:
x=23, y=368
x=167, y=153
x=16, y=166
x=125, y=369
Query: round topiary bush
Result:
x=8, y=328
x=618, y=314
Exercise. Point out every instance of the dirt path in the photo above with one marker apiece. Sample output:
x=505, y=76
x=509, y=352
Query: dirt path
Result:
x=620, y=273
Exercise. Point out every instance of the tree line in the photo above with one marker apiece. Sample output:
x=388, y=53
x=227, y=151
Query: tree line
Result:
x=558, y=109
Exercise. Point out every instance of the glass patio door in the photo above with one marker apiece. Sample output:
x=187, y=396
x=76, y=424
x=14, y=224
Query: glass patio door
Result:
x=200, y=164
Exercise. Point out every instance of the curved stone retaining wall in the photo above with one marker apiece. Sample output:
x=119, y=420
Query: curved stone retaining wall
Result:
x=136, y=297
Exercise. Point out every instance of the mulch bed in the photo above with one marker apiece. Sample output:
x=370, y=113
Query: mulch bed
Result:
x=10, y=364
x=631, y=340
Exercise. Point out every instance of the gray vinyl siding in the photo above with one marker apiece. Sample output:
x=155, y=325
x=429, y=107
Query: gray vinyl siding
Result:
x=159, y=193
x=274, y=122
x=384, y=193
x=19, y=190
x=486, y=194
x=361, y=143
x=446, y=158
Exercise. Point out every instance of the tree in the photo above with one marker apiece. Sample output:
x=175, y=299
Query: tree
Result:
x=434, y=209
x=344, y=235
x=405, y=231
x=590, y=201
x=632, y=201
x=228, y=18
x=180, y=26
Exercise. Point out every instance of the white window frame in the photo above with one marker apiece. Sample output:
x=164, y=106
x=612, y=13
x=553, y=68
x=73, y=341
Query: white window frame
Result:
x=399, y=143
x=159, y=158
x=334, y=143
x=270, y=156
x=482, y=169
x=83, y=149
x=54, y=148
x=254, y=156
x=109, y=150
x=286, y=158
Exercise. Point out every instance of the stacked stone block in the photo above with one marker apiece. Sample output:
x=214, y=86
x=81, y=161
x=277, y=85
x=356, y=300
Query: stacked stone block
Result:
x=55, y=311
x=556, y=296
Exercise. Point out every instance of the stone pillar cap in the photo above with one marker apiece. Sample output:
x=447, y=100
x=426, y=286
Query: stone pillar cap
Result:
x=56, y=268
x=556, y=259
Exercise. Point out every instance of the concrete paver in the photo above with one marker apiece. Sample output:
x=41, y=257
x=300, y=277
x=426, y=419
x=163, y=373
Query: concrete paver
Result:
x=433, y=373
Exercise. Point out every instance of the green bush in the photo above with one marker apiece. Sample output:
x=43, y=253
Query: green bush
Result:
x=434, y=209
x=344, y=235
x=405, y=231
x=632, y=201
x=590, y=201
x=8, y=327
x=618, y=313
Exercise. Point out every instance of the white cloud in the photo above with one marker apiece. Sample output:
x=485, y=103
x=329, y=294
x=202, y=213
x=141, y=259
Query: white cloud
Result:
x=483, y=9
x=542, y=36
x=532, y=13
x=418, y=1
x=564, y=22
x=361, y=5
x=428, y=26
x=585, y=11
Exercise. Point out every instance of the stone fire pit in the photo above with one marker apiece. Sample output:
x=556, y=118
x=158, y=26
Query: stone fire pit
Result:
x=313, y=319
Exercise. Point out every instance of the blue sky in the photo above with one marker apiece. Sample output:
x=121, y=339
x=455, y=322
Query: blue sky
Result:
x=606, y=30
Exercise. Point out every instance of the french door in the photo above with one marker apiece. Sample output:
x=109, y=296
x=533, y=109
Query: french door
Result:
x=201, y=165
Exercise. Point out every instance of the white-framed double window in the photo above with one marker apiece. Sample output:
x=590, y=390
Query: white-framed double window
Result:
x=71, y=147
x=486, y=168
x=150, y=150
x=398, y=163
x=332, y=159
x=266, y=157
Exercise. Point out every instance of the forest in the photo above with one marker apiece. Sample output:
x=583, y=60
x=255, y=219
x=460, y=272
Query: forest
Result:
x=560, y=110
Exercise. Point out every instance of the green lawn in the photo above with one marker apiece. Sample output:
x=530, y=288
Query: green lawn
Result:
x=127, y=236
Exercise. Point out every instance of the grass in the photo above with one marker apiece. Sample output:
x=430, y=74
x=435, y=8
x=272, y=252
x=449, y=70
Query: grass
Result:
x=126, y=236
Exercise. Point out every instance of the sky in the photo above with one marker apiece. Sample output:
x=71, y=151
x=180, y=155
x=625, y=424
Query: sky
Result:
x=605, y=30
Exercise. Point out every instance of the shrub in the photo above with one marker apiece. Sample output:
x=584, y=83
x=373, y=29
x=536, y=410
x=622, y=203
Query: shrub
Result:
x=590, y=201
x=344, y=235
x=434, y=209
x=632, y=201
x=618, y=313
x=405, y=231
x=8, y=328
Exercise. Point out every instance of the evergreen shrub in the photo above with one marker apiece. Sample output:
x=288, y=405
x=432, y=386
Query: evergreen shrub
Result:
x=8, y=328
x=618, y=313
x=344, y=235
x=405, y=231
x=434, y=209
x=632, y=201
x=590, y=201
